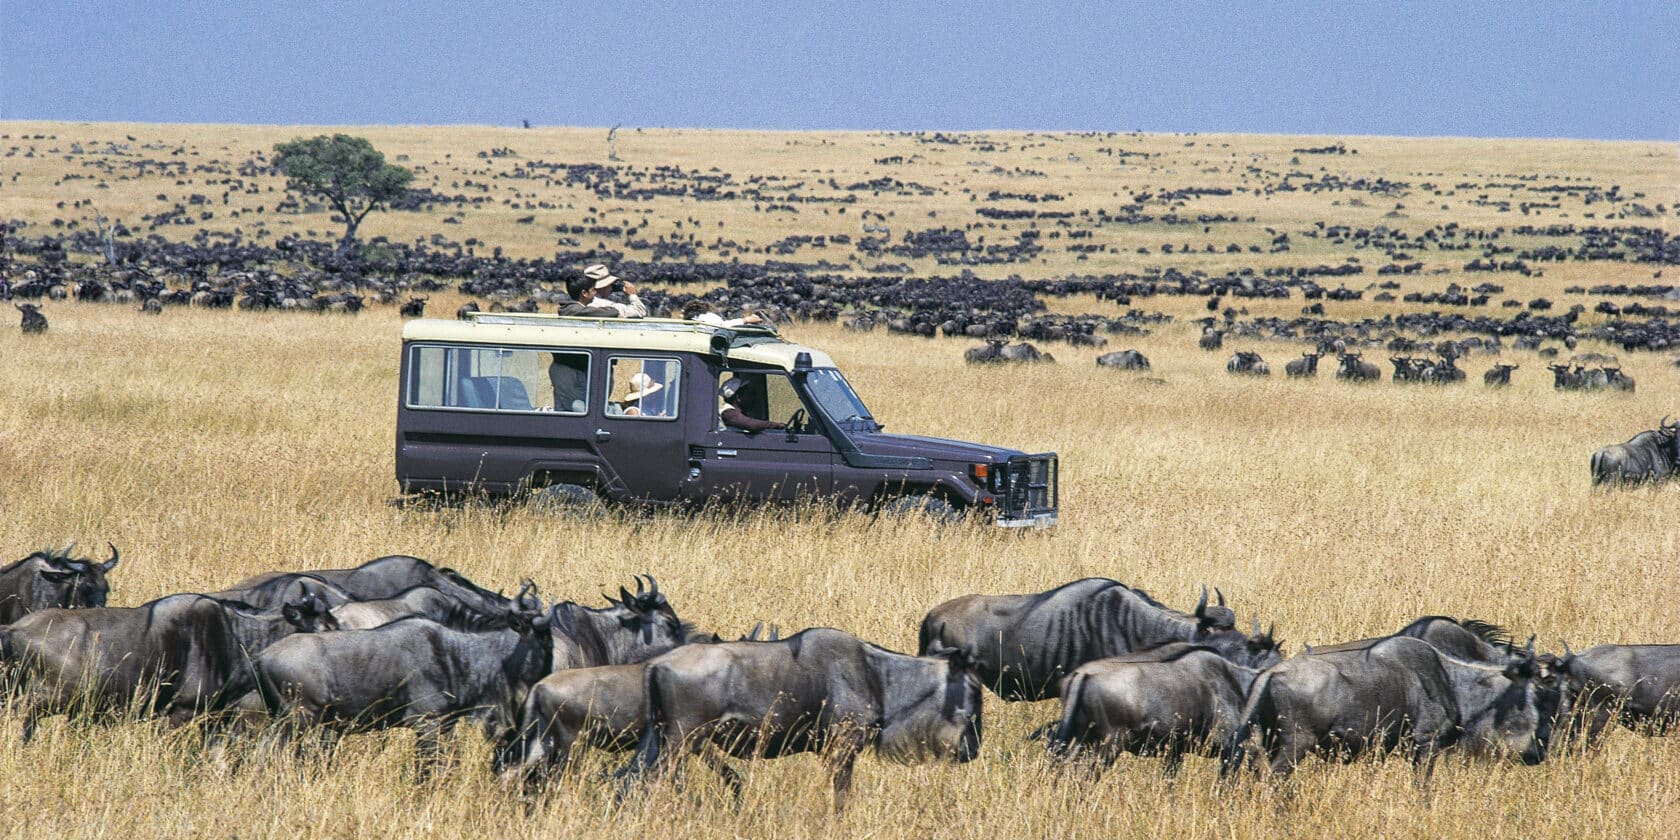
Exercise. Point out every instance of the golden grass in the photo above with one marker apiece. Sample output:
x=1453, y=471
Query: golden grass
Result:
x=212, y=445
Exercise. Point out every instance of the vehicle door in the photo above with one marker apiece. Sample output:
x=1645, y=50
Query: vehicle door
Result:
x=641, y=434
x=774, y=464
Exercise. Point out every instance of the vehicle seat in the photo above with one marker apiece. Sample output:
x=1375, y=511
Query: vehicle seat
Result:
x=477, y=392
x=512, y=391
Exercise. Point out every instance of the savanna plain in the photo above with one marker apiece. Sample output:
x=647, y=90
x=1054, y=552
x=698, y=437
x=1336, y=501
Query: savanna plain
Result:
x=212, y=445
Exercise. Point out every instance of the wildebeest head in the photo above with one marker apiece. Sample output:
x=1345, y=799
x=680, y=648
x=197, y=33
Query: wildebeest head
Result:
x=1216, y=617
x=309, y=614
x=944, y=719
x=648, y=614
x=1667, y=429
x=1263, y=650
x=70, y=583
x=1519, y=720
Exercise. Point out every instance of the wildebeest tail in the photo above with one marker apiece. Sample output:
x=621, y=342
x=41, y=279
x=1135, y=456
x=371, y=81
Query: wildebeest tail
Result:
x=1232, y=754
x=653, y=736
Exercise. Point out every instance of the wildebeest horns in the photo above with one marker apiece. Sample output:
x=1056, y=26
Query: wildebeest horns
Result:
x=63, y=559
x=647, y=595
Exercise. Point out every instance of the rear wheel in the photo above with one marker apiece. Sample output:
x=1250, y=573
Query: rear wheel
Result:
x=564, y=498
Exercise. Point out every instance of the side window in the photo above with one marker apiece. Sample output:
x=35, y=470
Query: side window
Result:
x=643, y=387
x=765, y=396
x=497, y=379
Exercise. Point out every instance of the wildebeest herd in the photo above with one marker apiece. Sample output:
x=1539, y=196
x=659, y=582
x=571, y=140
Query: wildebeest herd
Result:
x=291, y=657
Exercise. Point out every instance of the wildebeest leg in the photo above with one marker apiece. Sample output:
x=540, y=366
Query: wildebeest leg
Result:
x=1172, y=757
x=649, y=759
x=1423, y=763
x=730, y=778
x=428, y=747
x=842, y=768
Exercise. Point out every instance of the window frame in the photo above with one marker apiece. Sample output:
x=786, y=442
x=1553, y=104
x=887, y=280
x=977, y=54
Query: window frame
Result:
x=412, y=382
x=676, y=405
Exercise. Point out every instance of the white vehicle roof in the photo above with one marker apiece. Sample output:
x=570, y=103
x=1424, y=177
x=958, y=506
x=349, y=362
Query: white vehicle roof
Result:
x=752, y=344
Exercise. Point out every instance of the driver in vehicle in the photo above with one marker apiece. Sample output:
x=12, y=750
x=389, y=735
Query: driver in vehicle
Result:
x=734, y=394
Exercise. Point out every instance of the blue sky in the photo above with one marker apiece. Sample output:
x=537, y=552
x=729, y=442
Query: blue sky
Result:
x=1495, y=69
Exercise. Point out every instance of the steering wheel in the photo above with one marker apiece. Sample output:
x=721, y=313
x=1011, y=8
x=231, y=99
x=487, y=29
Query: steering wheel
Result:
x=796, y=423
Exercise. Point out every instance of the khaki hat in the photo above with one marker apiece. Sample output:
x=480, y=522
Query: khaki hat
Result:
x=641, y=385
x=600, y=276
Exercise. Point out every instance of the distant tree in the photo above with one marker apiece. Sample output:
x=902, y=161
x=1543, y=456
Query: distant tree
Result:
x=346, y=171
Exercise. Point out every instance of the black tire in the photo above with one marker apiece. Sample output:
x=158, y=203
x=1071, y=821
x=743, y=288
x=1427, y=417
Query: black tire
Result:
x=923, y=504
x=564, y=498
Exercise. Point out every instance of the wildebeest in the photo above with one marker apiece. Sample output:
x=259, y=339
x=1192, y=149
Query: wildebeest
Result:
x=820, y=690
x=1355, y=369
x=33, y=320
x=414, y=307
x=423, y=601
x=1498, y=376
x=634, y=627
x=1024, y=644
x=1124, y=360
x=1249, y=363
x=1346, y=703
x=464, y=313
x=996, y=351
x=48, y=579
x=177, y=654
x=383, y=577
x=1211, y=339
x=1638, y=684
x=412, y=673
x=1172, y=700
x=1301, y=368
x=1648, y=456
x=1462, y=638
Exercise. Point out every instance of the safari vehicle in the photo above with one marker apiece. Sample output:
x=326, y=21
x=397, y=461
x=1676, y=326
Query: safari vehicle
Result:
x=566, y=408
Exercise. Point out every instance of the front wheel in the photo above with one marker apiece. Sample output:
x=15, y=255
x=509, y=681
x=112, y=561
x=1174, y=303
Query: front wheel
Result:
x=923, y=504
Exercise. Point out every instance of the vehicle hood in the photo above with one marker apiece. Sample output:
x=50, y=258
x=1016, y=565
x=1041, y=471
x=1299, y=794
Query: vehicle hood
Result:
x=939, y=449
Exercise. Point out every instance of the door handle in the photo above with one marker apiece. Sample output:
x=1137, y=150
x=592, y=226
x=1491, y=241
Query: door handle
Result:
x=602, y=435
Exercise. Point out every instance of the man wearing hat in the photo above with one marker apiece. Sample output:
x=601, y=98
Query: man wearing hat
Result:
x=588, y=298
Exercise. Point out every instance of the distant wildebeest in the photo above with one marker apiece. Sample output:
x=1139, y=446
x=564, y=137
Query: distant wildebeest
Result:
x=1024, y=644
x=48, y=579
x=820, y=690
x=1648, y=456
x=1499, y=375
x=1353, y=368
x=1565, y=378
x=467, y=309
x=411, y=673
x=1306, y=366
x=414, y=307
x=383, y=577
x=998, y=351
x=1249, y=363
x=1618, y=380
x=1211, y=339
x=1124, y=360
x=33, y=320
x=1638, y=685
x=1400, y=690
x=152, y=306
x=172, y=657
x=1171, y=700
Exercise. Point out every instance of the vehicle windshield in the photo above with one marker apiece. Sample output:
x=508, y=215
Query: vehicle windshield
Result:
x=836, y=399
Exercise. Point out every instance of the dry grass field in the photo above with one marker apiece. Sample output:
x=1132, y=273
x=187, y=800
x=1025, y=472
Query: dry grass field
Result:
x=210, y=445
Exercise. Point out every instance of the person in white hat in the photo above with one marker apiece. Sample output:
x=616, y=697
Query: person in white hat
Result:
x=588, y=296
x=636, y=402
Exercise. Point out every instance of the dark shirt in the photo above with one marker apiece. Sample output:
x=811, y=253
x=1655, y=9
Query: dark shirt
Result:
x=735, y=418
x=578, y=309
x=568, y=383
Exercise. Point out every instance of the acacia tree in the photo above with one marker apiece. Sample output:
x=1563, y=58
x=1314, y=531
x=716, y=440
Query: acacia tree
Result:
x=346, y=171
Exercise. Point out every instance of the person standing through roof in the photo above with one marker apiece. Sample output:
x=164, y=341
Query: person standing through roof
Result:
x=588, y=296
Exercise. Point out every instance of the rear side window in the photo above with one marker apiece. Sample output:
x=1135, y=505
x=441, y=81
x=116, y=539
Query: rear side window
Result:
x=643, y=388
x=498, y=379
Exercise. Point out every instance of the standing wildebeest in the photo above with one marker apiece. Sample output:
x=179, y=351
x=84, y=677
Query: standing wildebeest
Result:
x=33, y=320
x=410, y=673
x=1306, y=366
x=1023, y=644
x=1639, y=684
x=1499, y=375
x=1248, y=362
x=1648, y=456
x=1352, y=367
x=820, y=690
x=1345, y=703
x=1211, y=339
x=1124, y=360
x=414, y=307
x=177, y=653
x=383, y=577
x=47, y=579
x=634, y=628
x=1175, y=699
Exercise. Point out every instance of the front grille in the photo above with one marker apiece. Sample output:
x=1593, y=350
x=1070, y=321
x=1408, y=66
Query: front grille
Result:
x=1032, y=485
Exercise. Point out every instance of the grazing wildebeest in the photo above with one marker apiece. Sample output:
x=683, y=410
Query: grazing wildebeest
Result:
x=1024, y=644
x=1306, y=366
x=1499, y=375
x=1346, y=703
x=1249, y=363
x=601, y=706
x=1648, y=456
x=1124, y=360
x=1637, y=684
x=1353, y=368
x=383, y=577
x=177, y=653
x=414, y=307
x=820, y=690
x=411, y=673
x=48, y=579
x=1171, y=700
x=33, y=320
